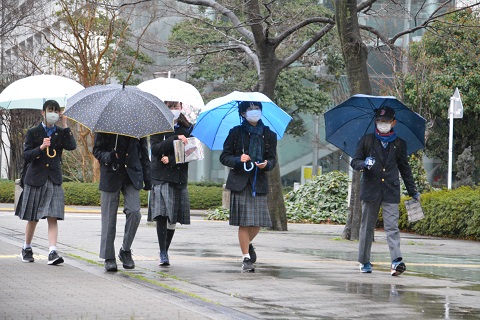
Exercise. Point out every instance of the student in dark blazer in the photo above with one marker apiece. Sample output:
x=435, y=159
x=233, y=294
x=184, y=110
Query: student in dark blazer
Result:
x=381, y=156
x=169, y=200
x=124, y=167
x=250, y=151
x=43, y=196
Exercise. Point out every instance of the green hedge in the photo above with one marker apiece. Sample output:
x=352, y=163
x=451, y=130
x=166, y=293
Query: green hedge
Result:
x=202, y=195
x=448, y=213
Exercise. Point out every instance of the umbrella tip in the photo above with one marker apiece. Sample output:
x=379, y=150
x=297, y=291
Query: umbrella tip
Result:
x=124, y=82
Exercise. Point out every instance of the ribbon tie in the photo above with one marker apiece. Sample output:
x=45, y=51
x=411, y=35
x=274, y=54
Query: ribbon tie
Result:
x=50, y=131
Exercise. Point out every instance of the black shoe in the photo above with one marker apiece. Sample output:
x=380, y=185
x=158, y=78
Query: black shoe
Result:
x=54, y=258
x=397, y=268
x=252, y=253
x=247, y=265
x=110, y=265
x=126, y=258
x=27, y=255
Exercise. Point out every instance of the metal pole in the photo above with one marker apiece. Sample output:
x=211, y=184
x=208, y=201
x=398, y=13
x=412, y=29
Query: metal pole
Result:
x=450, y=145
x=316, y=141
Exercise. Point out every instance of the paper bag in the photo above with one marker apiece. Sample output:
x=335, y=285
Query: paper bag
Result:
x=414, y=210
x=191, y=151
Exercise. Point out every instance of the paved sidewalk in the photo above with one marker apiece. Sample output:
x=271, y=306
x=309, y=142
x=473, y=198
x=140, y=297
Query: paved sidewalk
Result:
x=308, y=272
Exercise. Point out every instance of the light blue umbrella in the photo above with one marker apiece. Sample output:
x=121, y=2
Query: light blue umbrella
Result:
x=221, y=114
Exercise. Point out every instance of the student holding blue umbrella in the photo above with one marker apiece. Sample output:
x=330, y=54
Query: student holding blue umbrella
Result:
x=250, y=151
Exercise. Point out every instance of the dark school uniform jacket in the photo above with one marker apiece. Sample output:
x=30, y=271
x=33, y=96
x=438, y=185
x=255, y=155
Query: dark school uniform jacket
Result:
x=162, y=145
x=234, y=147
x=383, y=178
x=133, y=162
x=40, y=167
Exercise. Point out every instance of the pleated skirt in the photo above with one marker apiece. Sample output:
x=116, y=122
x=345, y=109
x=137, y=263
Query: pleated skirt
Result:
x=167, y=201
x=42, y=202
x=249, y=211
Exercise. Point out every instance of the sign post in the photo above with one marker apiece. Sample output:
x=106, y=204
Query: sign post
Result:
x=455, y=111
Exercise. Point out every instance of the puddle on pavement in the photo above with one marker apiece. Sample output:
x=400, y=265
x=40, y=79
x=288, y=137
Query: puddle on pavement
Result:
x=430, y=306
x=426, y=265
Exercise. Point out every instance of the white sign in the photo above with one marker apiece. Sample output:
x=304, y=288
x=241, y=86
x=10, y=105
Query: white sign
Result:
x=457, y=105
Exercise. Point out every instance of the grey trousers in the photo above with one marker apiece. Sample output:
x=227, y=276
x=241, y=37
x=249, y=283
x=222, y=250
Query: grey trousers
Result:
x=109, y=207
x=390, y=214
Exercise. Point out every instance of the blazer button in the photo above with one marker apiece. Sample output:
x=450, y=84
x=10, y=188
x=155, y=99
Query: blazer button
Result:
x=46, y=165
x=125, y=166
x=383, y=169
x=383, y=180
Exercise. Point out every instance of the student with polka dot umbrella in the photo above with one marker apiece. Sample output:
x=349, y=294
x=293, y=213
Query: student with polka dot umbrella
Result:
x=121, y=118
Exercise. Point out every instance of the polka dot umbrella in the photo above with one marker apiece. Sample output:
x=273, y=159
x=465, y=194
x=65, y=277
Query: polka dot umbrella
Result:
x=117, y=109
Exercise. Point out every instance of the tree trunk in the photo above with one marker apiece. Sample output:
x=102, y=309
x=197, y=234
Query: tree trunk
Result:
x=276, y=203
x=355, y=54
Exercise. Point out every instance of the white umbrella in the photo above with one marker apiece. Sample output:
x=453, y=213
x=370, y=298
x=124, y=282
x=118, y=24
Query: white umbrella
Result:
x=31, y=92
x=171, y=89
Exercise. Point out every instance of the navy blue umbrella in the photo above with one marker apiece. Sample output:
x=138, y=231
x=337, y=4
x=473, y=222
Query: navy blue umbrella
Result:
x=346, y=123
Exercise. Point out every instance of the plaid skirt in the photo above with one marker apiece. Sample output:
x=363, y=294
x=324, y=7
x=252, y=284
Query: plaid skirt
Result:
x=167, y=201
x=41, y=202
x=249, y=211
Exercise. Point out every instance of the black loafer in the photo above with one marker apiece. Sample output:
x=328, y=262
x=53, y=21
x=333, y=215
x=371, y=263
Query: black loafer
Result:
x=126, y=258
x=110, y=265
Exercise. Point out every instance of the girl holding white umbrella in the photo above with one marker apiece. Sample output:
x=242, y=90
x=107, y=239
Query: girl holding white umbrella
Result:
x=43, y=196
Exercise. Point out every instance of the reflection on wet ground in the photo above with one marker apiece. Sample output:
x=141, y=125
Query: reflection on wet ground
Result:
x=430, y=306
x=428, y=265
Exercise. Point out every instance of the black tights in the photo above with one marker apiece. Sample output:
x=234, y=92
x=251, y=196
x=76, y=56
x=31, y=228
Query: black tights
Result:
x=164, y=235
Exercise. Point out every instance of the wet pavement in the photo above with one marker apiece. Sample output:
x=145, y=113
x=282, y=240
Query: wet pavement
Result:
x=308, y=272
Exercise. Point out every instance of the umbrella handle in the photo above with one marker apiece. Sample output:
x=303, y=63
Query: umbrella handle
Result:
x=249, y=169
x=54, y=153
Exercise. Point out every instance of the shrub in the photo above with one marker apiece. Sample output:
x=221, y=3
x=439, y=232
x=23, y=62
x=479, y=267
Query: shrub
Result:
x=218, y=213
x=448, y=213
x=321, y=200
x=205, y=197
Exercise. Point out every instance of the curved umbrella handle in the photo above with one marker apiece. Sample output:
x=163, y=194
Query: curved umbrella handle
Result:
x=249, y=169
x=54, y=153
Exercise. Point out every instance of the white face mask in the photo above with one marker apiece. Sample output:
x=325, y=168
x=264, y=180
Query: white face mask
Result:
x=51, y=117
x=384, y=127
x=253, y=115
x=176, y=114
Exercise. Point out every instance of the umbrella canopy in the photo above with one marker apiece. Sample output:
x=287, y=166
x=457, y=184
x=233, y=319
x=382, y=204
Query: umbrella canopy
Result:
x=221, y=114
x=171, y=89
x=32, y=92
x=349, y=121
x=123, y=110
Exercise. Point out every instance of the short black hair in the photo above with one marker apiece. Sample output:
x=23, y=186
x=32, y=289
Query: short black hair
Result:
x=51, y=103
x=243, y=106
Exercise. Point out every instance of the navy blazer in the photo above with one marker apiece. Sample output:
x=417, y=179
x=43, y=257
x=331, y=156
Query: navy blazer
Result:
x=162, y=145
x=383, y=178
x=40, y=167
x=234, y=147
x=133, y=162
